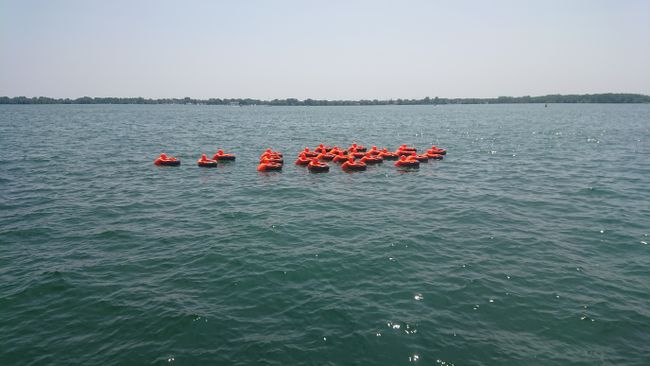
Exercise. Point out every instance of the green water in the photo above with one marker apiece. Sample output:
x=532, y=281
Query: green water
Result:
x=526, y=245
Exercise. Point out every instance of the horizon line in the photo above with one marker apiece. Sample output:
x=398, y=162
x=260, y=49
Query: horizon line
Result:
x=323, y=99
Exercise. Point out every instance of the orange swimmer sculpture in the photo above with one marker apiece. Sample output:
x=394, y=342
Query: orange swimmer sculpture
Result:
x=204, y=162
x=164, y=160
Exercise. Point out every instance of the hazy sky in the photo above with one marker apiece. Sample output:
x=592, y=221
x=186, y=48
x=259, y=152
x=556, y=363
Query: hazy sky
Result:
x=323, y=49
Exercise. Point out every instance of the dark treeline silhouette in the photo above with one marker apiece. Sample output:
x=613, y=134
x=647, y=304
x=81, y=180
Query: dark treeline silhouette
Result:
x=552, y=98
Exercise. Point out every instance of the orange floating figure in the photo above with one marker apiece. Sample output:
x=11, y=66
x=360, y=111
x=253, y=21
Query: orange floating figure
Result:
x=221, y=156
x=322, y=149
x=355, y=153
x=310, y=154
x=406, y=147
x=270, y=156
x=269, y=167
x=371, y=159
x=387, y=155
x=164, y=160
x=270, y=152
x=272, y=159
x=358, y=148
x=352, y=165
x=316, y=166
x=302, y=159
x=341, y=157
x=405, y=162
x=327, y=156
x=204, y=162
x=405, y=150
x=436, y=150
x=421, y=158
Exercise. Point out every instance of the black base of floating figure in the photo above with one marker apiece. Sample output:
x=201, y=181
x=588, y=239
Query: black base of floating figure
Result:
x=207, y=164
x=224, y=157
x=169, y=163
x=389, y=156
x=435, y=156
x=407, y=164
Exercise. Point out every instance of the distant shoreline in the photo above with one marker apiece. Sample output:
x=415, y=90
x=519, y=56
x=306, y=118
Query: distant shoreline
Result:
x=617, y=98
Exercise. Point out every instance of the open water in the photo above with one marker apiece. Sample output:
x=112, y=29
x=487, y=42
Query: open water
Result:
x=526, y=245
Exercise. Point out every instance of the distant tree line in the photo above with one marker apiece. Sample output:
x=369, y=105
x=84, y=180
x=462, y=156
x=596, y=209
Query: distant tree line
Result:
x=552, y=98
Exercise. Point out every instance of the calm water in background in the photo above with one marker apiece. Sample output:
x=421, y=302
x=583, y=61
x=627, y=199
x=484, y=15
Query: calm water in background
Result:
x=527, y=245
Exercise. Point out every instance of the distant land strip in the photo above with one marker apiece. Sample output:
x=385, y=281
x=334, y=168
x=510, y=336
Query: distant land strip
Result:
x=551, y=98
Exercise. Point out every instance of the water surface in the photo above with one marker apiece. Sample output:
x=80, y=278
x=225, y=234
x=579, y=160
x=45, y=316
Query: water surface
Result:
x=526, y=245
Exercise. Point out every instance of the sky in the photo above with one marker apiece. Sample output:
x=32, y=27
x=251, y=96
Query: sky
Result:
x=323, y=49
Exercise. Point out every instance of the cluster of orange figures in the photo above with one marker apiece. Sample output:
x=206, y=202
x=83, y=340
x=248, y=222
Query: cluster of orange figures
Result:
x=354, y=158
x=406, y=156
x=270, y=161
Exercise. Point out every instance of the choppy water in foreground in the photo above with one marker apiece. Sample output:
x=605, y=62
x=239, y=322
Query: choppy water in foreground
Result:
x=527, y=245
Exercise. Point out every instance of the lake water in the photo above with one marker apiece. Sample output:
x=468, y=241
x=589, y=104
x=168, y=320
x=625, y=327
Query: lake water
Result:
x=526, y=245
